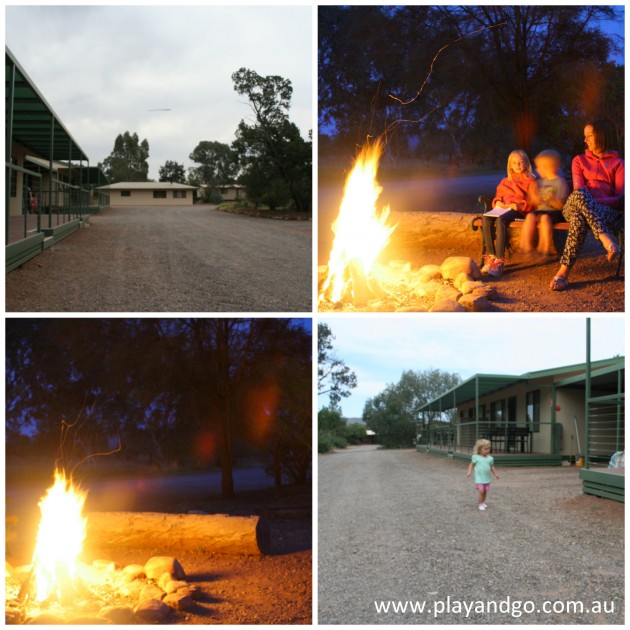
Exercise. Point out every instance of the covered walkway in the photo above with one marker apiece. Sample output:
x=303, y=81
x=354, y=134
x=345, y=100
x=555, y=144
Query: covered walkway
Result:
x=50, y=183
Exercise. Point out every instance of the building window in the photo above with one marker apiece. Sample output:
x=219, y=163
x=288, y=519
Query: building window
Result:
x=159, y=194
x=125, y=193
x=482, y=412
x=13, y=178
x=471, y=412
x=497, y=412
x=179, y=194
x=532, y=405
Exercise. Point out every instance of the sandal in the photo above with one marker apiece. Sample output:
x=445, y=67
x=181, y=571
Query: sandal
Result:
x=613, y=252
x=559, y=283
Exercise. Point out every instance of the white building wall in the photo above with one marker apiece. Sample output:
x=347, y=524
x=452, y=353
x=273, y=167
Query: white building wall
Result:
x=145, y=198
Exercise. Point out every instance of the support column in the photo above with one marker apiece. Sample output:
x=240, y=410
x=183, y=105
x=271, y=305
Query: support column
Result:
x=587, y=393
x=476, y=408
x=70, y=204
x=51, y=149
x=9, y=145
x=555, y=445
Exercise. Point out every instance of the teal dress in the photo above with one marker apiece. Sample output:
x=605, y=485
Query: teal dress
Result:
x=482, y=468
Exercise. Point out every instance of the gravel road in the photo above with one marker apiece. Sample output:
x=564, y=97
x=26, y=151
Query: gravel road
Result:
x=170, y=259
x=401, y=525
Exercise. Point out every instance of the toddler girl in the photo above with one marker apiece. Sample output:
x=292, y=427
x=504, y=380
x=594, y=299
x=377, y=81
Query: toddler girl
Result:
x=483, y=464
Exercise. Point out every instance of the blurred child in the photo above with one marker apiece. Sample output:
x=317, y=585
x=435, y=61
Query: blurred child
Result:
x=483, y=465
x=514, y=199
x=553, y=191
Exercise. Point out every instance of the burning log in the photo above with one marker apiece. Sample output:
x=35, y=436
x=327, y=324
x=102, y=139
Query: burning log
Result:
x=245, y=535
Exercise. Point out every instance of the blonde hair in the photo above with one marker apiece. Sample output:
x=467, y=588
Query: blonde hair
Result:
x=528, y=164
x=479, y=444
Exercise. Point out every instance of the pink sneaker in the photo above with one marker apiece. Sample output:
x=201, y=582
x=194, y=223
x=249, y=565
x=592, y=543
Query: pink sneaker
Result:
x=496, y=271
x=489, y=259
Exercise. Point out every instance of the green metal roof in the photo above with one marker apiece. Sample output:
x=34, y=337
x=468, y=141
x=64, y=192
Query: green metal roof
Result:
x=483, y=384
x=34, y=120
x=480, y=383
x=577, y=367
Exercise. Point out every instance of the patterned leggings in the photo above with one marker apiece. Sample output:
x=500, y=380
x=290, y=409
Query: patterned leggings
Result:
x=582, y=212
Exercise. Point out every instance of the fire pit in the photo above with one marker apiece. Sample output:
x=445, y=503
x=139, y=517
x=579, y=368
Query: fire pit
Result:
x=355, y=279
x=59, y=587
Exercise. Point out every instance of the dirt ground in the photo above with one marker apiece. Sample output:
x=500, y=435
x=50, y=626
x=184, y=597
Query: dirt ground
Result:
x=275, y=588
x=429, y=238
x=170, y=259
x=403, y=526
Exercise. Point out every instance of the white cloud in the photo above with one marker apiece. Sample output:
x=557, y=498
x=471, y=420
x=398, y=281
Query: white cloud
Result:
x=102, y=67
x=380, y=348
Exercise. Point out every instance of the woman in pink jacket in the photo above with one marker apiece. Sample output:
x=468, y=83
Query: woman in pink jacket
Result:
x=596, y=201
x=515, y=194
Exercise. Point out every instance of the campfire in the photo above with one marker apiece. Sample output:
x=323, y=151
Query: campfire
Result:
x=361, y=233
x=58, y=587
x=60, y=537
x=61, y=586
x=356, y=278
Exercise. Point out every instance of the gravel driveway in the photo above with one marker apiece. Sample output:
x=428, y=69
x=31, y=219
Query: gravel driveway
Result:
x=170, y=259
x=401, y=525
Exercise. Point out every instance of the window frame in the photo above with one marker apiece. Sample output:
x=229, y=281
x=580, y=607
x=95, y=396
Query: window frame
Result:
x=532, y=399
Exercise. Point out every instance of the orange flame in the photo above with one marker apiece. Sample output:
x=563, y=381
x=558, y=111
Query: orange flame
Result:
x=361, y=232
x=60, y=538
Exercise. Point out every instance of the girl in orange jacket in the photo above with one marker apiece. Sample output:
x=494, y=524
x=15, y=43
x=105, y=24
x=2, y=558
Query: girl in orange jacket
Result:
x=517, y=193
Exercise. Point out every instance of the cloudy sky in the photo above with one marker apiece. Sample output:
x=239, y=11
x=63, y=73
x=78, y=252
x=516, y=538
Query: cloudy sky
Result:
x=379, y=348
x=101, y=68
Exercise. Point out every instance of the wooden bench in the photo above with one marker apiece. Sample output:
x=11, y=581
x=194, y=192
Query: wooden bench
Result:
x=477, y=222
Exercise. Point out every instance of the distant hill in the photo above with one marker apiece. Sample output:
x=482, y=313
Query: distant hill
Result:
x=354, y=420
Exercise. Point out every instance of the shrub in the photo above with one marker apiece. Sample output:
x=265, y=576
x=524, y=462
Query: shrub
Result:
x=325, y=442
x=354, y=433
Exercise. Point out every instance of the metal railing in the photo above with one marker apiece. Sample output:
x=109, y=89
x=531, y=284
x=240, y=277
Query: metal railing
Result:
x=606, y=432
x=504, y=437
x=54, y=206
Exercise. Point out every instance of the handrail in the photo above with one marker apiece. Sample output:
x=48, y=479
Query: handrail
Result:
x=21, y=169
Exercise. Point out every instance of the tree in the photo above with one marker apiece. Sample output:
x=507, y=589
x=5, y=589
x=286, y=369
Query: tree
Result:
x=330, y=429
x=179, y=390
x=498, y=77
x=218, y=164
x=172, y=172
x=394, y=413
x=128, y=161
x=334, y=377
x=273, y=140
x=520, y=53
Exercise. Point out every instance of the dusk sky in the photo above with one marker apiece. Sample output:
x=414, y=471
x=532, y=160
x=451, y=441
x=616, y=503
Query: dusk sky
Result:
x=379, y=348
x=101, y=68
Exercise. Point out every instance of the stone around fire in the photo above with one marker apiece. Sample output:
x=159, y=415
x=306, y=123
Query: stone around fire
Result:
x=158, y=565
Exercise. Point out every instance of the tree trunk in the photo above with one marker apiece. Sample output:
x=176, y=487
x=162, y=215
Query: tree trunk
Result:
x=225, y=408
x=218, y=533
